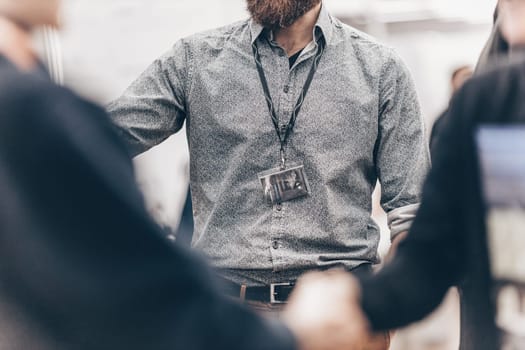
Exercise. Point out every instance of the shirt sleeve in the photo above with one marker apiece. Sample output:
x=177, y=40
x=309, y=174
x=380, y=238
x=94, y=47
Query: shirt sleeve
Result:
x=154, y=106
x=432, y=257
x=401, y=153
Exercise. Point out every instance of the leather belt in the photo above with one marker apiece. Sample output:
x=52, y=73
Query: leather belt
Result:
x=275, y=293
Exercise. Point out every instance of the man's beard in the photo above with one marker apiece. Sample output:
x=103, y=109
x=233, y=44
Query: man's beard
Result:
x=276, y=14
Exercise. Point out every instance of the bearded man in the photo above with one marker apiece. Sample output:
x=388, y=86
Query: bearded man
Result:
x=291, y=90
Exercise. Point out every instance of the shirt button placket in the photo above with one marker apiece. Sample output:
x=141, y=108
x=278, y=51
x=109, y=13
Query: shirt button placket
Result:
x=279, y=211
x=284, y=111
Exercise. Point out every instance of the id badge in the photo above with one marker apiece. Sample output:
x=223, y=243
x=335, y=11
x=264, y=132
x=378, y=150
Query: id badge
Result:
x=284, y=185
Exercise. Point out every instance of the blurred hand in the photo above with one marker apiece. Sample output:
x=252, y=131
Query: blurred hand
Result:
x=324, y=312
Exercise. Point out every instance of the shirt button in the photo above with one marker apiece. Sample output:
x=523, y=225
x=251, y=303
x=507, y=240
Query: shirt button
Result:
x=275, y=245
x=286, y=89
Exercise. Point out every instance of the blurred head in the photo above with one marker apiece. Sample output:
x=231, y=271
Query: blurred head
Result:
x=31, y=13
x=460, y=76
x=512, y=25
x=276, y=14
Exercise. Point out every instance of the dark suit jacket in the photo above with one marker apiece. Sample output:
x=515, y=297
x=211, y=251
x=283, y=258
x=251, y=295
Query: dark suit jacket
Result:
x=82, y=265
x=447, y=244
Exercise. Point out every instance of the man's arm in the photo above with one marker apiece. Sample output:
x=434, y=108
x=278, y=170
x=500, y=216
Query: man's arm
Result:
x=154, y=106
x=401, y=153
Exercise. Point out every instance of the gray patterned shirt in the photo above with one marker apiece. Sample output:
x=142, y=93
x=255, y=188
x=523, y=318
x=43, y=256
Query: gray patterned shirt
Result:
x=360, y=123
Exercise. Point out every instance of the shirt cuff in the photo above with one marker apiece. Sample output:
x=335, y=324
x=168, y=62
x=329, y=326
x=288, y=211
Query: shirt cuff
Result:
x=400, y=219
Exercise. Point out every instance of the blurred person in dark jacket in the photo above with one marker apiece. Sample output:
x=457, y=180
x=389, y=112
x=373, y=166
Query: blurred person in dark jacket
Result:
x=469, y=229
x=82, y=265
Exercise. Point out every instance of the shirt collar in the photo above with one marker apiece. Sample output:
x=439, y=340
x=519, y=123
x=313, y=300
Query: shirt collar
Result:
x=324, y=27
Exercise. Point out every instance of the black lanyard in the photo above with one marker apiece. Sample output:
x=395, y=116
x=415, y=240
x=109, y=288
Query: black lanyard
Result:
x=284, y=133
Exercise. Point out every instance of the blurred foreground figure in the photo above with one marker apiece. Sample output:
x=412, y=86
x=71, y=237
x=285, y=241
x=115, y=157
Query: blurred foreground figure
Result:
x=82, y=266
x=470, y=229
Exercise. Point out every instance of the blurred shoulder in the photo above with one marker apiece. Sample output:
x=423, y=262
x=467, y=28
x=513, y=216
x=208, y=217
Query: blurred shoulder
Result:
x=495, y=95
x=498, y=83
x=18, y=86
x=25, y=96
x=508, y=72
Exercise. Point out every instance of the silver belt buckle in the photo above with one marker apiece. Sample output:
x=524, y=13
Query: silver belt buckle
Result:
x=273, y=293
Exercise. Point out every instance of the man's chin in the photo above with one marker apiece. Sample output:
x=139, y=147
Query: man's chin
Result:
x=273, y=25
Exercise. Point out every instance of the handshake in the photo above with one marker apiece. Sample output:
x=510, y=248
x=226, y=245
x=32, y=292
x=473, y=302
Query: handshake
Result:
x=324, y=313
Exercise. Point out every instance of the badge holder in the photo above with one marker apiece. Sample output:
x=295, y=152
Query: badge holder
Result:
x=284, y=185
